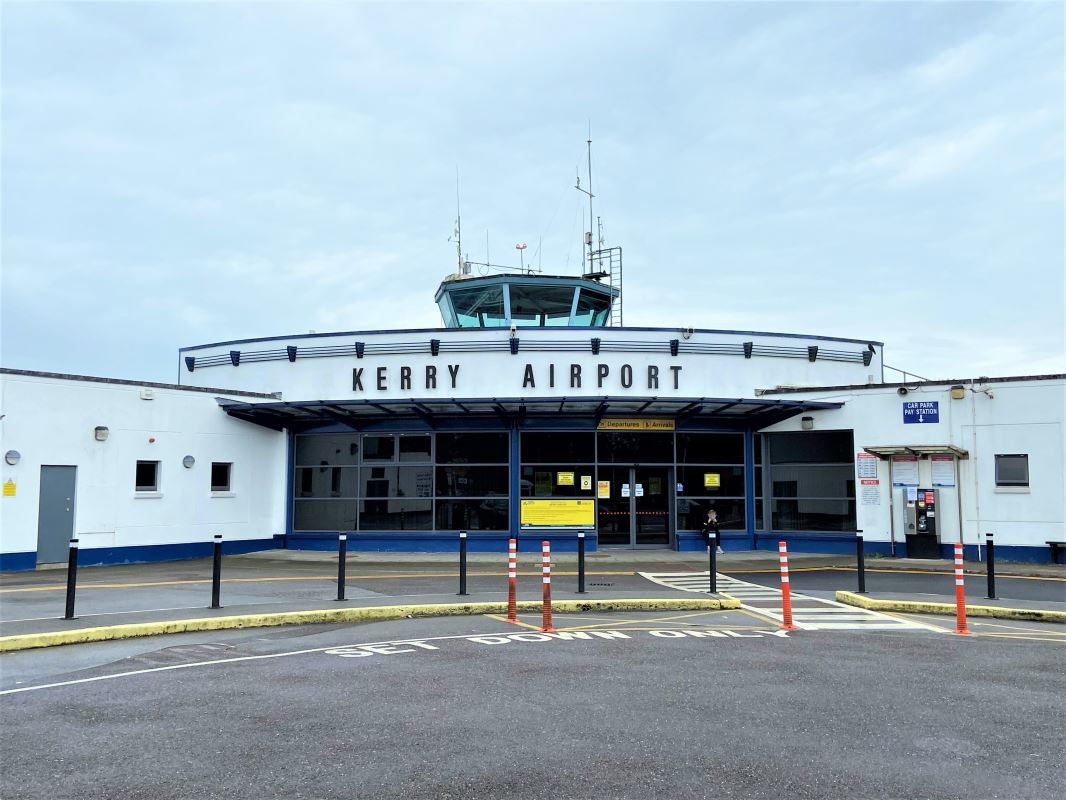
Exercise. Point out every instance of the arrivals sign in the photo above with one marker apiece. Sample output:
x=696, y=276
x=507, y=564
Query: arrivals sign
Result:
x=558, y=513
x=636, y=424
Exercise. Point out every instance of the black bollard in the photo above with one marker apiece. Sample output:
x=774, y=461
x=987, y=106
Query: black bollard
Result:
x=990, y=548
x=860, y=558
x=581, y=562
x=72, y=578
x=462, y=563
x=216, y=573
x=712, y=550
x=342, y=563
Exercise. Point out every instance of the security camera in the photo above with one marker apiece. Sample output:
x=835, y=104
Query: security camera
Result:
x=686, y=332
x=514, y=329
x=902, y=391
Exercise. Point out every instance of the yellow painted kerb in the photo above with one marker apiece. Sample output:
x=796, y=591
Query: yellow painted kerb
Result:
x=948, y=609
x=348, y=615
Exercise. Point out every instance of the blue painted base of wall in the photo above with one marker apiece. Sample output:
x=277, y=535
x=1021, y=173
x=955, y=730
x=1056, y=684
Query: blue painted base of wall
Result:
x=437, y=542
x=100, y=556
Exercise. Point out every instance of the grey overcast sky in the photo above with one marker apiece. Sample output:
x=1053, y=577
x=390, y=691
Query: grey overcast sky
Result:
x=182, y=173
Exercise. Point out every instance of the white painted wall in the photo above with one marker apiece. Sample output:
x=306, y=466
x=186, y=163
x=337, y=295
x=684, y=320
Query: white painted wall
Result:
x=1019, y=416
x=51, y=421
x=501, y=374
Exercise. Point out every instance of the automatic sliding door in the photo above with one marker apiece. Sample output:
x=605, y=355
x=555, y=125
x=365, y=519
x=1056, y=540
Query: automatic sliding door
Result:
x=651, y=500
x=613, y=512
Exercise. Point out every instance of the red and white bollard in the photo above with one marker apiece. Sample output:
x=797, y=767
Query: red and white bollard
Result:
x=546, y=570
x=512, y=584
x=786, y=595
x=960, y=595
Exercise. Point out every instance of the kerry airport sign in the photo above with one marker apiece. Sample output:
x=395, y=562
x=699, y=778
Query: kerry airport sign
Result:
x=534, y=376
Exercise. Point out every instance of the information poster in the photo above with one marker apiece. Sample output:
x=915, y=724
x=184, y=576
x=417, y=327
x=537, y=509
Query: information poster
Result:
x=603, y=489
x=712, y=480
x=870, y=492
x=625, y=490
x=565, y=478
x=866, y=465
x=558, y=513
x=943, y=470
x=640, y=489
x=655, y=485
x=905, y=470
x=586, y=483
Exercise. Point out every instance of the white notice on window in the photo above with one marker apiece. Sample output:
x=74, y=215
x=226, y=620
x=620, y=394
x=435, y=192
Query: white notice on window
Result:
x=866, y=465
x=640, y=489
x=625, y=490
x=904, y=470
x=870, y=493
x=943, y=470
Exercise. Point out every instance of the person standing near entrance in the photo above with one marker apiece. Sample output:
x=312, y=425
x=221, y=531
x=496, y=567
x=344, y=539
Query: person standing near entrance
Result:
x=711, y=531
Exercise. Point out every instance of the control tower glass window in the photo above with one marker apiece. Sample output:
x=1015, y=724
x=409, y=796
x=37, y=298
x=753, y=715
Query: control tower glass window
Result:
x=592, y=309
x=541, y=305
x=479, y=308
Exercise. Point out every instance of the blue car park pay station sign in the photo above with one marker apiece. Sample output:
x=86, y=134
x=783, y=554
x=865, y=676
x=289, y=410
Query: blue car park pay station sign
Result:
x=923, y=412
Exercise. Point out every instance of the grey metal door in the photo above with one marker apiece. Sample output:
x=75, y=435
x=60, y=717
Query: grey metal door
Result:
x=55, y=520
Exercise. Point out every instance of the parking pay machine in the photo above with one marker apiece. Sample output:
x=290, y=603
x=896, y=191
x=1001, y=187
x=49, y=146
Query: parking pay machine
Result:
x=920, y=516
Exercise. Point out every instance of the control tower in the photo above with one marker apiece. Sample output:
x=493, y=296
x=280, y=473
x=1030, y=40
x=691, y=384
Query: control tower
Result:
x=524, y=301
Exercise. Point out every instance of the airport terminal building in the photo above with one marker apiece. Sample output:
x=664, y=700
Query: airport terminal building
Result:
x=528, y=415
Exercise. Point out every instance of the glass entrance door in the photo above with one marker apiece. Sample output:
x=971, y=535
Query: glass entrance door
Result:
x=637, y=510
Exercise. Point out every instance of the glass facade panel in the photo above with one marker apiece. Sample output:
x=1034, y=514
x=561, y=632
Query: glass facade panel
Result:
x=558, y=448
x=816, y=447
x=324, y=482
x=541, y=305
x=396, y=515
x=795, y=480
x=479, y=308
x=324, y=515
x=335, y=448
x=635, y=448
x=812, y=481
x=397, y=481
x=472, y=481
x=553, y=480
x=379, y=448
x=592, y=309
x=813, y=515
x=472, y=448
x=416, y=448
x=698, y=481
x=472, y=515
x=692, y=513
x=710, y=448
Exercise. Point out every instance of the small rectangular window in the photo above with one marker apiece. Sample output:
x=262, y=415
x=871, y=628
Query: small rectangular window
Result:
x=147, y=479
x=220, y=476
x=1012, y=470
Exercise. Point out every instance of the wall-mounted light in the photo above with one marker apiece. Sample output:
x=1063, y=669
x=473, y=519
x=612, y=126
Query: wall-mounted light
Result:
x=807, y=423
x=12, y=457
x=188, y=461
x=100, y=433
x=958, y=392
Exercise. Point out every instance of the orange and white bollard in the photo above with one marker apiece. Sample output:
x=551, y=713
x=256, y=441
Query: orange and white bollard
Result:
x=546, y=571
x=786, y=596
x=960, y=595
x=512, y=580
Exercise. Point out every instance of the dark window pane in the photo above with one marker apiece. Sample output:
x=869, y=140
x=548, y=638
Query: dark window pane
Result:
x=147, y=478
x=544, y=481
x=541, y=305
x=1012, y=470
x=416, y=448
x=691, y=514
x=758, y=448
x=472, y=515
x=220, y=472
x=472, y=481
x=695, y=480
x=397, y=481
x=396, y=515
x=323, y=482
x=824, y=447
x=758, y=481
x=799, y=480
x=472, y=448
x=759, y=507
x=314, y=449
x=379, y=448
x=636, y=448
x=710, y=448
x=813, y=515
x=558, y=448
x=324, y=515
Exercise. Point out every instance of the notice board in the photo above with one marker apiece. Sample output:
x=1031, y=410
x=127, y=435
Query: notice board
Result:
x=558, y=513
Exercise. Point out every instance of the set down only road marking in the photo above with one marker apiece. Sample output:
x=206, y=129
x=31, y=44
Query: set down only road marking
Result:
x=808, y=613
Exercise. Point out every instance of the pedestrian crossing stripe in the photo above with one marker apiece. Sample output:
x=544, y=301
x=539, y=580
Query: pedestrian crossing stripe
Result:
x=808, y=613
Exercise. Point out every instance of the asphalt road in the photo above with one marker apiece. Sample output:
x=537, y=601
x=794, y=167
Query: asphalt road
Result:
x=475, y=708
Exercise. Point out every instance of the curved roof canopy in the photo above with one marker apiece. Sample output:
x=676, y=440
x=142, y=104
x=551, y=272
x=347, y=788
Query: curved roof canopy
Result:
x=499, y=301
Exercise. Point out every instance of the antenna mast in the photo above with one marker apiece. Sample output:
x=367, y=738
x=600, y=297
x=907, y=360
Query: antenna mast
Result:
x=588, y=233
x=458, y=224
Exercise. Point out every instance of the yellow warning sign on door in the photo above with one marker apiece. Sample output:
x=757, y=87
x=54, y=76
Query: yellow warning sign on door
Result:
x=9, y=488
x=712, y=480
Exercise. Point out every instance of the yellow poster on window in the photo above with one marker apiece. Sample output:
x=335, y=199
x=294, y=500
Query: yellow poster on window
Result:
x=558, y=513
x=603, y=489
x=586, y=483
x=712, y=480
x=565, y=478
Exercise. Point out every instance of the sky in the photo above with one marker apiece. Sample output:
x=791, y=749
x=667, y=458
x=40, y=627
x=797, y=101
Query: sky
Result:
x=183, y=173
